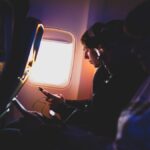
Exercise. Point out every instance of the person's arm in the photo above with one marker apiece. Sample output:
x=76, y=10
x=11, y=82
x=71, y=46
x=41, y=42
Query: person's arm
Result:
x=64, y=107
x=67, y=107
x=80, y=104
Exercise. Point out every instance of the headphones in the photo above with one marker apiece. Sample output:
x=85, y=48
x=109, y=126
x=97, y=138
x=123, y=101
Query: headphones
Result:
x=97, y=52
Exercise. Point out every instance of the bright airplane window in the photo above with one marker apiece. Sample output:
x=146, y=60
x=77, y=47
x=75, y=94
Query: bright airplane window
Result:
x=54, y=61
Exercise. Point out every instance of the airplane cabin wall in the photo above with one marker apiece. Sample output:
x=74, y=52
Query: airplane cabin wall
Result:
x=71, y=16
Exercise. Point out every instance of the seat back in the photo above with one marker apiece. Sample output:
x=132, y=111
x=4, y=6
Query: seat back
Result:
x=27, y=34
x=134, y=123
x=137, y=22
x=6, y=26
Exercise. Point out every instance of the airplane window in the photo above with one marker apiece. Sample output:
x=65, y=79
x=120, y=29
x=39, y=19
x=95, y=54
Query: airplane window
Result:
x=55, y=58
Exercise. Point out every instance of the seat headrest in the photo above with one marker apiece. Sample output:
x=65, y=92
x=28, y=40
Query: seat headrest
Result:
x=137, y=22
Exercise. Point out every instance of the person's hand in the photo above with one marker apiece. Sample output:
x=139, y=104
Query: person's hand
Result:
x=57, y=107
x=57, y=103
x=54, y=102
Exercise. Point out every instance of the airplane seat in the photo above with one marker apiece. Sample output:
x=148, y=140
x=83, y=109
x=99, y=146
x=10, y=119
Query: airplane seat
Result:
x=10, y=16
x=24, y=52
x=6, y=26
x=27, y=34
x=137, y=25
x=137, y=22
x=6, y=33
x=134, y=123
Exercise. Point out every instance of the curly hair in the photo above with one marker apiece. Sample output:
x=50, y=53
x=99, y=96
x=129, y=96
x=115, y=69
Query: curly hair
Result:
x=90, y=37
x=103, y=34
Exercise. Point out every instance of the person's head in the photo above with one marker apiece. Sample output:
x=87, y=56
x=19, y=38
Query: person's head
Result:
x=98, y=38
x=92, y=44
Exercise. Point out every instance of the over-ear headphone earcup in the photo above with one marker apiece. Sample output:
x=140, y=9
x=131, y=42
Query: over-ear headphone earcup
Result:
x=97, y=52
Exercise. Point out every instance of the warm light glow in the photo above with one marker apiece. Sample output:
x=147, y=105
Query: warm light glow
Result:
x=54, y=63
